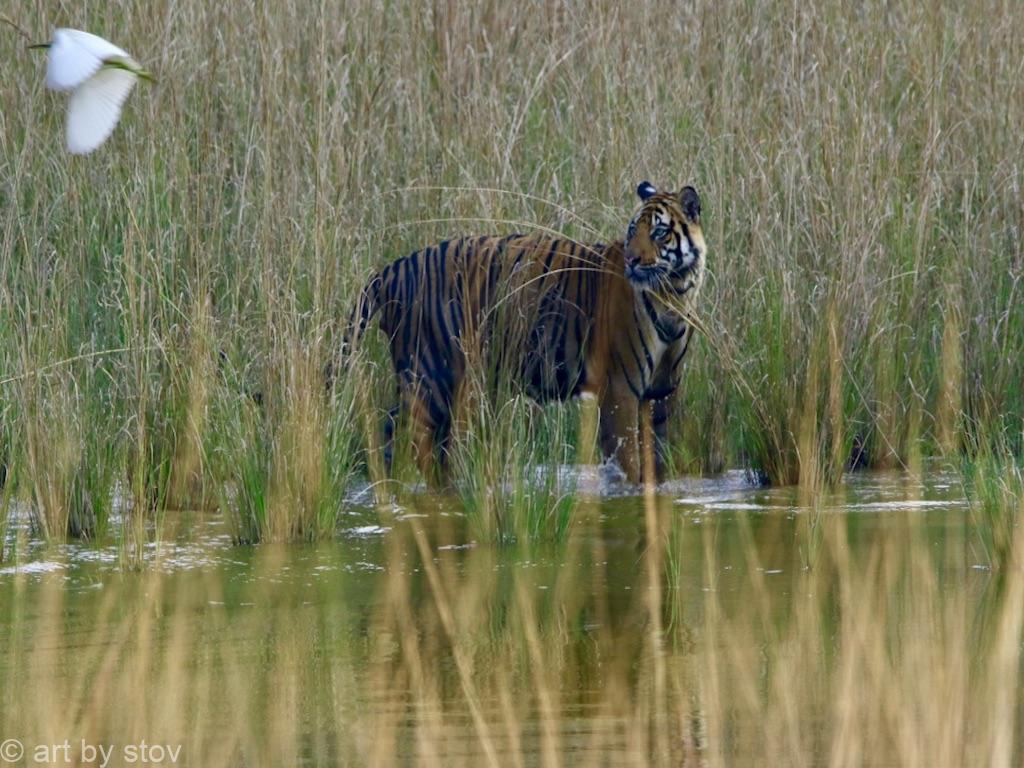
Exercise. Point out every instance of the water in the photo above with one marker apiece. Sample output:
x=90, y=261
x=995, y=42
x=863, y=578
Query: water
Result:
x=750, y=625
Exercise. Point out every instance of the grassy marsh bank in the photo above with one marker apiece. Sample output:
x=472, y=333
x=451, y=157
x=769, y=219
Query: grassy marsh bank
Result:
x=860, y=168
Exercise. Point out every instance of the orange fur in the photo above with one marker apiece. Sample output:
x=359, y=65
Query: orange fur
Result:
x=560, y=317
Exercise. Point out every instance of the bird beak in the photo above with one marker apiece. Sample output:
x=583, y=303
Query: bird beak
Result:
x=39, y=45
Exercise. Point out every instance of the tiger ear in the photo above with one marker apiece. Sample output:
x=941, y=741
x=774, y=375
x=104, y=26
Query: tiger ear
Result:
x=690, y=201
x=645, y=190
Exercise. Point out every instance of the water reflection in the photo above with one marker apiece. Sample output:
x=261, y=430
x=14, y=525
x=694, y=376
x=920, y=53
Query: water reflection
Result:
x=715, y=622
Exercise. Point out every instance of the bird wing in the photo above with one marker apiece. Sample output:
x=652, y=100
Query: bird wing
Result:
x=95, y=107
x=75, y=56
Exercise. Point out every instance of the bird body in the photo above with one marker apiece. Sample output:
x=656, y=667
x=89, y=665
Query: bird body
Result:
x=99, y=76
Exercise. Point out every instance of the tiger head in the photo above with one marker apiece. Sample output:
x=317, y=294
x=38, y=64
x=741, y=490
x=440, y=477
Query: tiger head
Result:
x=664, y=243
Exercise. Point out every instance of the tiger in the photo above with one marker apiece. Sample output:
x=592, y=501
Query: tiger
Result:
x=566, y=319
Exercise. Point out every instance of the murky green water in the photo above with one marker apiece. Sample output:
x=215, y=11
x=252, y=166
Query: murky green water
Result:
x=688, y=625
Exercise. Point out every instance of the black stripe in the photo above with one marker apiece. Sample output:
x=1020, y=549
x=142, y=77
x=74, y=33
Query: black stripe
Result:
x=625, y=375
x=559, y=357
x=664, y=334
x=387, y=320
x=651, y=311
x=438, y=337
x=449, y=297
x=398, y=325
x=441, y=289
x=682, y=353
x=643, y=343
x=551, y=256
x=409, y=280
x=430, y=353
x=519, y=258
x=640, y=369
x=577, y=327
x=460, y=297
x=687, y=287
x=494, y=272
x=439, y=412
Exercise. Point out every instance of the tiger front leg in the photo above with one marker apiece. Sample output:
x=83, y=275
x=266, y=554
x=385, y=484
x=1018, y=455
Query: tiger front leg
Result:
x=663, y=395
x=658, y=411
x=619, y=430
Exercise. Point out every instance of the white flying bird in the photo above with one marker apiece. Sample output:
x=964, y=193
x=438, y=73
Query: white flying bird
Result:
x=99, y=76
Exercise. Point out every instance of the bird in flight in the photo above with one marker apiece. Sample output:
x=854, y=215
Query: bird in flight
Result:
x=99, y=76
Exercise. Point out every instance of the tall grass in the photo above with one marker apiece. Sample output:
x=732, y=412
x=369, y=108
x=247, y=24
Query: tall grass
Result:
x=859, y=164
x=282, y=467
x=994, y=483
x=5, y=488
x=511, y=466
